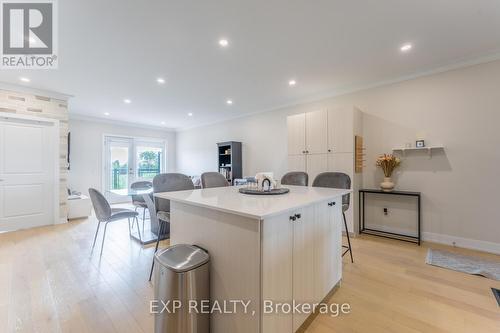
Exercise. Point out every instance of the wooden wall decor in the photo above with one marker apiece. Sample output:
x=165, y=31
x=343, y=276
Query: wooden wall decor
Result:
x=359, y=154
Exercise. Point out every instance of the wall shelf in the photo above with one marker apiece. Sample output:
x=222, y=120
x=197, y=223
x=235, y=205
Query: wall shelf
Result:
x=429, y=149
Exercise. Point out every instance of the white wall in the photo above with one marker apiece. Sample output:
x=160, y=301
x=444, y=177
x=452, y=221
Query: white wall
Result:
x=459, y=109
x=87, y=146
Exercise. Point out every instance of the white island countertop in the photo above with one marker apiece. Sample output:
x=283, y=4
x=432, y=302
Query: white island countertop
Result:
x=229, y=200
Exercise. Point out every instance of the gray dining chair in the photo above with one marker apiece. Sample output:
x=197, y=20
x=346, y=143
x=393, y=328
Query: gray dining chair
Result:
x=213, y=179
x=343, y=181
x=298, y=178
x=163, y=226
x=167, y=182
x=138, y=200
x=105, y=214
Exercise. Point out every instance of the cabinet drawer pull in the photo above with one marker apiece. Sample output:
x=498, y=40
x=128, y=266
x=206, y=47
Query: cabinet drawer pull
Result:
x=297, y=216
x=292, y=218
x=331, y=203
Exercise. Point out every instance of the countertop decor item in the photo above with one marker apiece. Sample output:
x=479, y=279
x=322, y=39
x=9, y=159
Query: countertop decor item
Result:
x=273, y=191
x=388, y=163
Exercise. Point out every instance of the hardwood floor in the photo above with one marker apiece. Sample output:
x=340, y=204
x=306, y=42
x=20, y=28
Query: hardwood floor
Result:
x=49, y=282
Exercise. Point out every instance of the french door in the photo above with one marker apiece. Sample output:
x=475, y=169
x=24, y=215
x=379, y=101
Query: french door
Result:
x=127, y=160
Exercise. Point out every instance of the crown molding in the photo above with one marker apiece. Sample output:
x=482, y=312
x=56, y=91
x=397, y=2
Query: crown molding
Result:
x=359, y=88
x=81, y=117
x=28, y=90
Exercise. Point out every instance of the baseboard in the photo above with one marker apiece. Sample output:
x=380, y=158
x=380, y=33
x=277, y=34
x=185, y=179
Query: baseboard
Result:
x=62, y=220
x=466, y=243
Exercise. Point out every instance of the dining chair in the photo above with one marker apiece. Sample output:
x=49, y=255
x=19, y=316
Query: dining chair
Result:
x=298, y=178
x=166, y=182
x=338, y=180
x=105, y=214
x=213, y=179
x=138, y=200
x=163, y=226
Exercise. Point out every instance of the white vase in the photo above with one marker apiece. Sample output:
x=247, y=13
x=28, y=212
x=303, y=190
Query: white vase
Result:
x=387, y=185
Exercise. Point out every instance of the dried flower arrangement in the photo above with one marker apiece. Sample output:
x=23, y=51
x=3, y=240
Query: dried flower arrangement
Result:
x=388, y=163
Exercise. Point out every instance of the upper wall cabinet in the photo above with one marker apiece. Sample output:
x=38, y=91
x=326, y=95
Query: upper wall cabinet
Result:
x=316, y=132
x=340, y=130
x=296, y=125
x=308, y=133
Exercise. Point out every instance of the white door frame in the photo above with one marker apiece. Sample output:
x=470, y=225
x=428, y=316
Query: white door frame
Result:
x=54, y=136
x=137, y=138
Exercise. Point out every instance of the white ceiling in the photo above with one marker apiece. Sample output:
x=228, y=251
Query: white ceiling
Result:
x=115, y=49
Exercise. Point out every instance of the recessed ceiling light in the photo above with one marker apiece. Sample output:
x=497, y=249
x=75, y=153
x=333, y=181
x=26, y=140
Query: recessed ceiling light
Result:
x=127, y=101
x=292, y=82
x=163, y=123
x=24, y=79
x=160, y=80
x=229, y=102
x=190, y=114
x=106, y=113
x=223, y=42
x=406, y=47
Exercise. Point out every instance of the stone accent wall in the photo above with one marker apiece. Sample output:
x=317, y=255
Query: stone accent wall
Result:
x=44, y=107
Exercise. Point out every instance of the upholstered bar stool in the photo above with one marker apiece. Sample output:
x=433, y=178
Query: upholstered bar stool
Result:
x=338, y=180
x=297, y=178
x=166, y=182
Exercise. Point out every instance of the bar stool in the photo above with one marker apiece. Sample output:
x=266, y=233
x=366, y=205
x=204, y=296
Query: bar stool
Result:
x=160, y=208
x=298, y=178
x=338, y=180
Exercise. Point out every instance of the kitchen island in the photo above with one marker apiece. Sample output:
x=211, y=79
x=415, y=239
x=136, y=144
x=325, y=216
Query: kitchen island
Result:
x=267, y=250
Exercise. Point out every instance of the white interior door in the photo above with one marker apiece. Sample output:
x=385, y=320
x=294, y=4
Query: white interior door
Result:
x=127, y=160
x=28, y=182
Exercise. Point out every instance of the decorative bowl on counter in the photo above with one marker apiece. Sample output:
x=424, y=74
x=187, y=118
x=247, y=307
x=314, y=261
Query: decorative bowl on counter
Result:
x=254, y=191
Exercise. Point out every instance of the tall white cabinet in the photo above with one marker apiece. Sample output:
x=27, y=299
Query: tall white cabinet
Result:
x=323, y=140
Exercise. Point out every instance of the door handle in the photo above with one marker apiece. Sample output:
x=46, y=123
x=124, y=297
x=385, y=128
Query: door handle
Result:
x=293, y=218
x=297, y=216
x=331, y=203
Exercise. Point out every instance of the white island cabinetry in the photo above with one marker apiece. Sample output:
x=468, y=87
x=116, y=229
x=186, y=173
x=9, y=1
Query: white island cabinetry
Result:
x=274, y=249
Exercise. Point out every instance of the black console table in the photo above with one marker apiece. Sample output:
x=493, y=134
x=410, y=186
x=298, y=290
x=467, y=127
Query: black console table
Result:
x=406, y=238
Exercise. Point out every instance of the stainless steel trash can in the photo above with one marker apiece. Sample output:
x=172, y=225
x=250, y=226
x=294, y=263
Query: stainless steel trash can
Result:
x=182, y=290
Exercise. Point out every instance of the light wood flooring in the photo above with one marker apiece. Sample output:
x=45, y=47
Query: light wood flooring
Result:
x=49, y=282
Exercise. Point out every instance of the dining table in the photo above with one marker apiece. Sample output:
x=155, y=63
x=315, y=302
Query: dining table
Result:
x=149, y=234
